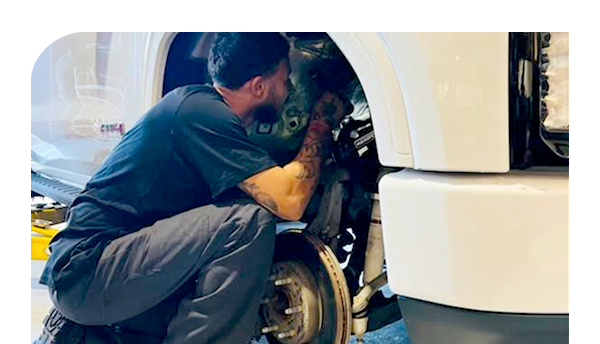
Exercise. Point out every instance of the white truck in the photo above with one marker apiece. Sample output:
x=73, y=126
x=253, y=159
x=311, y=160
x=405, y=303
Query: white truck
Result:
x=448, y=182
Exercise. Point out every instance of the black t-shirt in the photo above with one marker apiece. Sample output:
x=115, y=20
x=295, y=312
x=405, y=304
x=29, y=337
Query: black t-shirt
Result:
x=185, y=152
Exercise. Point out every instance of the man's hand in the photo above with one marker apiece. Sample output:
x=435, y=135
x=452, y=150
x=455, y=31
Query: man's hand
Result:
x=286, y=191
x=331, y=108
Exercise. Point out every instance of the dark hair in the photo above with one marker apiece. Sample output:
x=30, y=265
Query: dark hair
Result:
x=236, y=57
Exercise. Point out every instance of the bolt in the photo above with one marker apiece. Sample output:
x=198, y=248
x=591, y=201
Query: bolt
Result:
x=283, y=281
x=293, y=310
x=287, y=334
x=269, y=329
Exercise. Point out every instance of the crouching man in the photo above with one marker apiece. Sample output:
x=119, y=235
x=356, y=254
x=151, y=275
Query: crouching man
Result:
x=172, y=239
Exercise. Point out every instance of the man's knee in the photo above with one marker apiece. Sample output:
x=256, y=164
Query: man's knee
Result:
x=264, y=217
x=251, y=213
x=265, y=222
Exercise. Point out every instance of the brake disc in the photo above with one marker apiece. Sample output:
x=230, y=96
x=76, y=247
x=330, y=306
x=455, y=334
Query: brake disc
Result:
x=307, y=297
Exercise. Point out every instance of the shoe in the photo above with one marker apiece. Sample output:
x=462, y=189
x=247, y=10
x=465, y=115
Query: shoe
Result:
x=60, y=330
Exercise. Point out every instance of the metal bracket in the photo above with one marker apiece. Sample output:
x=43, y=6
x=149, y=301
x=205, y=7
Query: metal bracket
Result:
x=326, y=224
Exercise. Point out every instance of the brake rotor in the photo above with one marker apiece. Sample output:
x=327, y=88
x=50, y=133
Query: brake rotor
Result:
x=307, y=300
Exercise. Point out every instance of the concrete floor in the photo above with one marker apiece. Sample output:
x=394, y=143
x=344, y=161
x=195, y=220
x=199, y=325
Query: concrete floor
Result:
x=40, y=305
x=40, y=302
x=392, y=334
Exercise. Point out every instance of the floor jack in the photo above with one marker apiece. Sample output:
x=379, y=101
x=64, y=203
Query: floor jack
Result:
x=45, y=218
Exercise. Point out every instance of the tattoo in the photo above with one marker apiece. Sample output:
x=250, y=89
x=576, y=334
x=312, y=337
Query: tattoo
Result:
x=311, y=154
x=307, y=156
x=325, y=110
x=261, y=197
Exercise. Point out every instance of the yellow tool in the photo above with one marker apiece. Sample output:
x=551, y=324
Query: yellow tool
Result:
x=40, y=238
x=39, y=246
x=42, y=232
x=48, y=232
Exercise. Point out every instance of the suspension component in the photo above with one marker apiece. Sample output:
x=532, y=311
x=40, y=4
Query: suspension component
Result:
x=373, y=277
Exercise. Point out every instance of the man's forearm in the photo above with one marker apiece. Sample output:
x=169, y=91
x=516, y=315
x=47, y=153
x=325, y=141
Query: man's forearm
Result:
x=306, y=167
x=286, y=191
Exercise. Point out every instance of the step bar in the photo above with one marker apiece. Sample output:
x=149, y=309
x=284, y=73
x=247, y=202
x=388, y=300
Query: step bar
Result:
x=54, y=189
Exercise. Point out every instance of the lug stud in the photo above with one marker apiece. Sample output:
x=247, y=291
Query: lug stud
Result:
x=270, y=329
x=293, y=310
x=283, y=281
x=287, y=334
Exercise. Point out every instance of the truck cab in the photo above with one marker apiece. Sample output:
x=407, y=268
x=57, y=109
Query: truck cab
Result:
x=448, y=182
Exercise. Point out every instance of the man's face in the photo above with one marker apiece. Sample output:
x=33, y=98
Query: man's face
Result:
x=279, y=86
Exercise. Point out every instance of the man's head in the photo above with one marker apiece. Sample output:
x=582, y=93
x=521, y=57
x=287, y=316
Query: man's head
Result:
x=253, y=68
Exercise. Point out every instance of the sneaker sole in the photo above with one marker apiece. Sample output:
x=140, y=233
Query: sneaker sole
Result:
x=60, y=330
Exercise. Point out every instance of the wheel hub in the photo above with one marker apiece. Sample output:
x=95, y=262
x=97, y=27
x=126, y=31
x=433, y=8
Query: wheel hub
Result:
x=293, y=312
x=307, y=299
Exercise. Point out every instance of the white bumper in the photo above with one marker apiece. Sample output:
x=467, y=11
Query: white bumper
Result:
x=483, y=242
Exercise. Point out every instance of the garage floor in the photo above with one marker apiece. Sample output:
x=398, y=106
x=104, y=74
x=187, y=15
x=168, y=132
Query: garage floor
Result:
x=41, y=304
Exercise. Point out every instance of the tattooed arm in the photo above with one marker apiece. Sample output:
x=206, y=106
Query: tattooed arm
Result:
x=286, y=191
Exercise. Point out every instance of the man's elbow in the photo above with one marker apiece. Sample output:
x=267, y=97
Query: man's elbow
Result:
x=291, y=217
x=293, y=210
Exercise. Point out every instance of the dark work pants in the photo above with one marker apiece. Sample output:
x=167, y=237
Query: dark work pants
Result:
x=197, y=277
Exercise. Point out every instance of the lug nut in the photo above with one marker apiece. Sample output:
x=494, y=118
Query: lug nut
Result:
x=270, y=329
x=293, y=310
x=287, y=334
x=284, y=281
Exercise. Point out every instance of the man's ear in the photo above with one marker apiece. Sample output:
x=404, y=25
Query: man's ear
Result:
x=258, y=87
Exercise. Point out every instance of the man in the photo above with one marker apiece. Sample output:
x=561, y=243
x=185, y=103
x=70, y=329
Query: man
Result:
x=164, y=245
